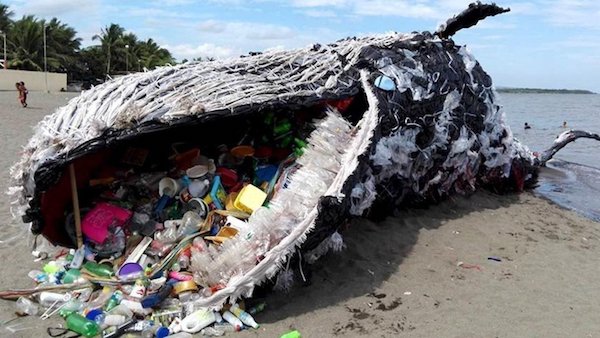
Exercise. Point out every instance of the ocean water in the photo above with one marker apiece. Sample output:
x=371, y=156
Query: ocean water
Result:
x=572, y=178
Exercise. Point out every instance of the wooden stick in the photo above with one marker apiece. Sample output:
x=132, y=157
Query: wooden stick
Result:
x=76, y=212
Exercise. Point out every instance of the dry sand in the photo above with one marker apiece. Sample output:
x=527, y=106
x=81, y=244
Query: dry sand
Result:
x=399, y=277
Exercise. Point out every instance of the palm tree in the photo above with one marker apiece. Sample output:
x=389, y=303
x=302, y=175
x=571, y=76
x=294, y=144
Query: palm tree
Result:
x=62, y=45
x=133, y=52
x=25, y=37
x=153, y=55
x=26, y=44
x=5, y=15
x=111, y=39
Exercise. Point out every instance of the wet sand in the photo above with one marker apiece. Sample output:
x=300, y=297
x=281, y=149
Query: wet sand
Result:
x=399, y=277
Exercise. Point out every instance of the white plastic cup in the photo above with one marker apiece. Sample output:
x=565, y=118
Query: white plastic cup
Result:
x=168, y=186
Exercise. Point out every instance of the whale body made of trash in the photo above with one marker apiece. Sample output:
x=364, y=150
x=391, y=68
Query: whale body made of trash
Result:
x=188, y=186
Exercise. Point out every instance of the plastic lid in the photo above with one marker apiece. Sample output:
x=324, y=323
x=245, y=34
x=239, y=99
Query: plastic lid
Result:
x=92, y=314
x=242, y=151
x=197, y=171
x=162, y=332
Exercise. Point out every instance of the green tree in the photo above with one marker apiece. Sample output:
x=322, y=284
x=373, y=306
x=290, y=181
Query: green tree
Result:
x=111, y=40
x=5, y=22
x=26, y=41
x=62, y=46
x=153, y=55
x=26, y=45
x=5, y=15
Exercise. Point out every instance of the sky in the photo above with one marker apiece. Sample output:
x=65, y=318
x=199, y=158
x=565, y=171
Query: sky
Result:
x=543, y=44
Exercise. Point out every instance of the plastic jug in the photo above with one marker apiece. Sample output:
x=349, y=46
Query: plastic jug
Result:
x=198, y=320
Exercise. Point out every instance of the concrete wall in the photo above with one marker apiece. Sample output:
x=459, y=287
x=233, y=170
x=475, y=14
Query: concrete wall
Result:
x=34, y=81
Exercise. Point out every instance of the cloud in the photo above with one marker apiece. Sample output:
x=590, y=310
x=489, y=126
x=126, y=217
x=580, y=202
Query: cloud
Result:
x=188, y=51
x=318, y=3
x=396, y=8
x=571, y=13
x=50, y=8
x=212, y=26
x=319, y=13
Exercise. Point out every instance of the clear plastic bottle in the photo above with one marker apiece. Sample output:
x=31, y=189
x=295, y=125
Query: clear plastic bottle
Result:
x=190, y=223
x=26, y=307
x=155, y=330
x=169, y=234
x=38, y=276
x=78, y=256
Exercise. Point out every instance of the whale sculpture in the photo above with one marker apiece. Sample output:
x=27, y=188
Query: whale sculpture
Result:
x=413, y=118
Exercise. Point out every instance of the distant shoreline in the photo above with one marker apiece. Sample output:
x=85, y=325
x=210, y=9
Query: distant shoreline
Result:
x=542, y=91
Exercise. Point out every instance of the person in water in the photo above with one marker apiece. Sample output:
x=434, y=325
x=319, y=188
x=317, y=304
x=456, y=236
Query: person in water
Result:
x=564, y=124
x=527, y=126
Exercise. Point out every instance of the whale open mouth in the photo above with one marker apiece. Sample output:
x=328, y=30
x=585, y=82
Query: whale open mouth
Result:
x=327, y=139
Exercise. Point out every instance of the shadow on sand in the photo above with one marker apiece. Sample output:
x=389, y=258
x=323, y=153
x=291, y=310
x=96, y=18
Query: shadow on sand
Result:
x=374, y=251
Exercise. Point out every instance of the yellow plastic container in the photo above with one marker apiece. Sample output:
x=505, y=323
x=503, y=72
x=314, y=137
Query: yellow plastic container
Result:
x=249, y=199
x=230, y=200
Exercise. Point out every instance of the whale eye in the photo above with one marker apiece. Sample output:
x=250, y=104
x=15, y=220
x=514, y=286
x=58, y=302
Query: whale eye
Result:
x=384, y=82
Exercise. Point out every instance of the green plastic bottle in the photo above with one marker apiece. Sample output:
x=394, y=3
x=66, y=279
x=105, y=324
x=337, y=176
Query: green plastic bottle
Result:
x=82, y=325
x=292, y=334
x=99, y=270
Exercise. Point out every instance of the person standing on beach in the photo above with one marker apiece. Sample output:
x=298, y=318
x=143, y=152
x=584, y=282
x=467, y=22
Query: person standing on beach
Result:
x=22, y=93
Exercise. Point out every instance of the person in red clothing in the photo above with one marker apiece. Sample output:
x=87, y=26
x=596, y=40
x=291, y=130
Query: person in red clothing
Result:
x=22, y=93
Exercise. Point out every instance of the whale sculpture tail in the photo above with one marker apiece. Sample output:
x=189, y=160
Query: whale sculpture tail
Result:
x=469, y=17
x=561, y=141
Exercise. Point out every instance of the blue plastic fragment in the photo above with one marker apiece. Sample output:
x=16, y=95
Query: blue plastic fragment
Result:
x=384, y=82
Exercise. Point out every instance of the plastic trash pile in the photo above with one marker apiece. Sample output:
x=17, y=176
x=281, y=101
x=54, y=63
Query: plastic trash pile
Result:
x=150, y=238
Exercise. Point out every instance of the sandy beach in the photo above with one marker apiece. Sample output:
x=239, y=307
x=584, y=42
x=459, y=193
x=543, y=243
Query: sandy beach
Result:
x=421, y=273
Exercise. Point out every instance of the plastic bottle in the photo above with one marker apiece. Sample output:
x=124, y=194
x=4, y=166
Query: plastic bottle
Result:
x=49, y=298
x=82, y=325
x=224, y=327
x=114, y=320
x=101, y=299
x=115, y=299
x=190, y=223
x=233, y=320
x=78, y=256
x=121, y=329
x=168, y=234
x=211, y=331
x=181, y=335
x=135, y=307
x=38, y=276
x=155, y=299
x=155, y=330
x=197, y=320
x=260, y=307
x=26, y=307
x=123, y=310
x=100, y=270
x=244, y=316
x=292, y=334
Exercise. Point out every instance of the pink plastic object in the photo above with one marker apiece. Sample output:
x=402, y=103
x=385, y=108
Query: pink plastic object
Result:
x=180, y=276
x=95, y=224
